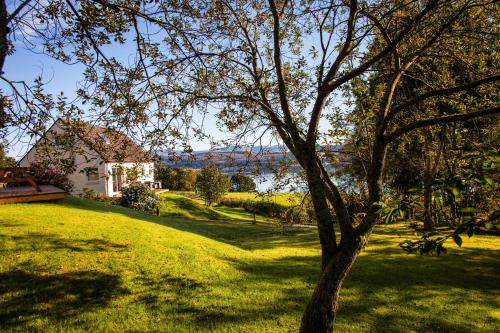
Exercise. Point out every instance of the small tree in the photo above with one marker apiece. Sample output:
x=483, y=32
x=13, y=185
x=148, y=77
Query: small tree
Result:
x=242, y=183
x=212, y=184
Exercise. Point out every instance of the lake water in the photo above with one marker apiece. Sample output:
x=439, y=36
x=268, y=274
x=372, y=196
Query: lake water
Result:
x=266, y=182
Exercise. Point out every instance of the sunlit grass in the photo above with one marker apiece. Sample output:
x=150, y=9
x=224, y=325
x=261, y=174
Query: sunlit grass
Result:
x=176, y=205
x=80, y=266
x=286, y=199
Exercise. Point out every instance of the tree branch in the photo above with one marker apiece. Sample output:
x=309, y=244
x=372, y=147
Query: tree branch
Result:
x=440, y=121
x=441, y=92
x=279, y=72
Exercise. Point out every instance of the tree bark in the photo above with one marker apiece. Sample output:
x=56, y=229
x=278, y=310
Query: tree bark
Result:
x=337, y=260
x=428, y=222
x=320, y=313
x=324, y=217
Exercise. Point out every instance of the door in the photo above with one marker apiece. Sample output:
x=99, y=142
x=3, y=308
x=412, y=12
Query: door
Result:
x=117, y=177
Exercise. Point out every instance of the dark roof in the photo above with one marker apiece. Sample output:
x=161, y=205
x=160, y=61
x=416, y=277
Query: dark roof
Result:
x=110, y=144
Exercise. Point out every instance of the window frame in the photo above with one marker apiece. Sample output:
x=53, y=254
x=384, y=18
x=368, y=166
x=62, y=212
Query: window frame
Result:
x=91, y=172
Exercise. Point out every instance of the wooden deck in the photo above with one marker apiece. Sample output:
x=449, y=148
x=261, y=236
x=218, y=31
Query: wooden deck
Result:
x=29, y=193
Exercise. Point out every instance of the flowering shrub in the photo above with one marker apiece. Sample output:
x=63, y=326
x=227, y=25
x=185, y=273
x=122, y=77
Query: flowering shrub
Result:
x=44, y=174
x=139, y=196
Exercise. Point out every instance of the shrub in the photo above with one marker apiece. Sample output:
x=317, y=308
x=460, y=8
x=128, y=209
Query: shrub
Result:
x=139, y=196
x=44, y=174
x=300, y=214
x=212, y=184
x=93, y=195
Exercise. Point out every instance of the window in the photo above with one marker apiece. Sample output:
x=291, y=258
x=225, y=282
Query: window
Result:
x=92, y=175
x=151, y=171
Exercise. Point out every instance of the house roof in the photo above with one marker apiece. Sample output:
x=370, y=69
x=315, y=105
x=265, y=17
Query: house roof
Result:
x=110, y=144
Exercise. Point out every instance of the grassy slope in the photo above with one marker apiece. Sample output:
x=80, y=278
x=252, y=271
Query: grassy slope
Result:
x=82, y=266
x=286, y=199
x=179, y=205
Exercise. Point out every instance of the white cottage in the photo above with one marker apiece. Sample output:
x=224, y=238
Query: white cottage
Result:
x=103, y=159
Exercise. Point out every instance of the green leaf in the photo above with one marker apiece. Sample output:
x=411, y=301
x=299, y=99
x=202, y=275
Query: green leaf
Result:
x=489, y=226
x=469, y=210
x=489, y=180
x=495, y=215
x=457, y=239
x=455, y=191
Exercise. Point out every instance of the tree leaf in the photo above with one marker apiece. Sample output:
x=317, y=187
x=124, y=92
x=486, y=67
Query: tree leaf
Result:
x=469, y=210
x=489, y=180
x=457, y=239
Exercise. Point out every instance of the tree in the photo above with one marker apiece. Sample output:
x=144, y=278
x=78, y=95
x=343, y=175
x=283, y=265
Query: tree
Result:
x=242, y=183
x=6, y=161
x=283, y=67
x=176, y=179
x=211, y=184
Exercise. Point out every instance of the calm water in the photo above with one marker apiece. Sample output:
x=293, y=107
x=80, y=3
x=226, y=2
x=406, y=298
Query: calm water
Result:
x=266, y=182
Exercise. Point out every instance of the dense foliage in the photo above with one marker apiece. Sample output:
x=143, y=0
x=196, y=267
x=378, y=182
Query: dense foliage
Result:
x=6, y=161
x=176, y=179
x=139, y=196
x=242, y=183
x=212, y=184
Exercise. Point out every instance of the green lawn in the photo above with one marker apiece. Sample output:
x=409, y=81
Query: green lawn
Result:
x=177, y=205
x=80, y=266
x=285, y=199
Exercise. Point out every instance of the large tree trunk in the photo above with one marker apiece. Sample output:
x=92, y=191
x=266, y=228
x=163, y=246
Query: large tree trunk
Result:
x=430, y=171
x=337, y=260
x=320, y=313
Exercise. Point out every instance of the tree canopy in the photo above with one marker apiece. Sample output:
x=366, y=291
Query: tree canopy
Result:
x=305, y=72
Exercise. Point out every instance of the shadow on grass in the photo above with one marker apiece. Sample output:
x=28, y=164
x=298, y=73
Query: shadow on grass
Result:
x=387, y=291
x=27, y=296
x=383, y=293
x=172, y=204
x=242, y=235
x=39, y=241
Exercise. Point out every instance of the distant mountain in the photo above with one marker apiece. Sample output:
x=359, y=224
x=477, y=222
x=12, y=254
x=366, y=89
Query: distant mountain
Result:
x=233, y=159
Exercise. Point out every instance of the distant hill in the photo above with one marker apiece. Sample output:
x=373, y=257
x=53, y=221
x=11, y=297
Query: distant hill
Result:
x=232, y=159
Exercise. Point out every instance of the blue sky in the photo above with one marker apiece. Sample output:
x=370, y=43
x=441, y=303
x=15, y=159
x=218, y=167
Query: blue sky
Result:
x=26, y=65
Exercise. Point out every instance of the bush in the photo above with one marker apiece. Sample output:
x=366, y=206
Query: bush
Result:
x=44, y=174
x=139, y=196
x=300, y=214
x=242, y=183
x=93, y=195
x=212, y=184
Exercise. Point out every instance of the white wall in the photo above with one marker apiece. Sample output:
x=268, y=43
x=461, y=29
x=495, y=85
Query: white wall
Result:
x=148, y=176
